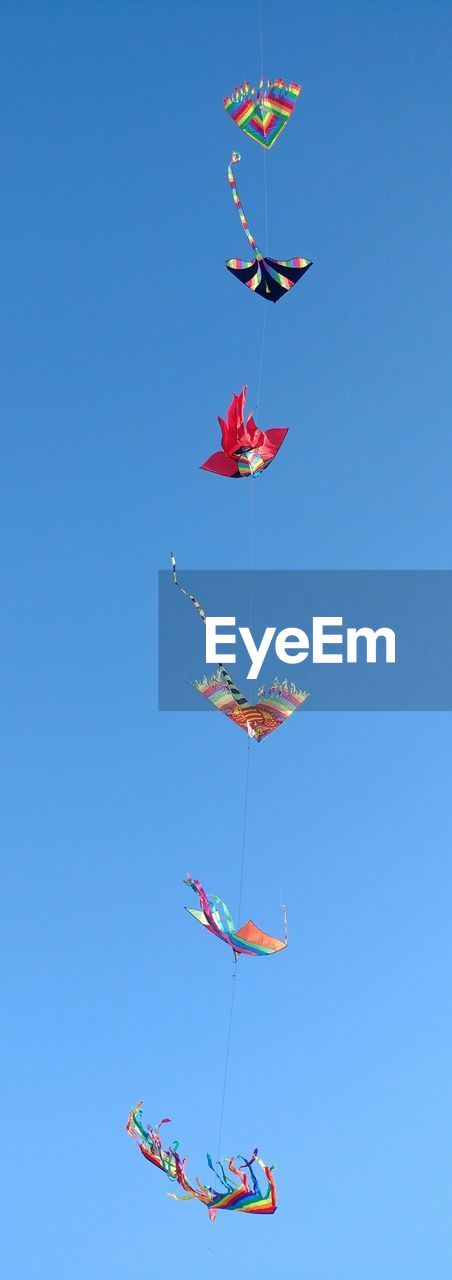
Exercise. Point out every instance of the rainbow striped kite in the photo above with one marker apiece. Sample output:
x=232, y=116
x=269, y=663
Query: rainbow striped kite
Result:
x=262, y=113
x=246, y=1197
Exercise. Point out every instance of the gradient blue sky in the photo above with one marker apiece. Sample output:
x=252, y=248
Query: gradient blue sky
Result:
x=123, y=337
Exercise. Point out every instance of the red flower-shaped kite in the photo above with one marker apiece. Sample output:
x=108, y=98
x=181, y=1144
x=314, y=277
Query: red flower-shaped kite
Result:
x=246, y=449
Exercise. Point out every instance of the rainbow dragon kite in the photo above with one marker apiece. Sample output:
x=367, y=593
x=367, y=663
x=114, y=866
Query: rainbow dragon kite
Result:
x=246, y=1197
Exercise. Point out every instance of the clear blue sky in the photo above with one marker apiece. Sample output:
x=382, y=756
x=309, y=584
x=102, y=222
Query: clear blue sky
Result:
x=123, y=337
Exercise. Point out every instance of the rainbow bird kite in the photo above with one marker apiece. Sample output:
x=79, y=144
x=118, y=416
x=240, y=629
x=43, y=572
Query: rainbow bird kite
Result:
x=247, y=941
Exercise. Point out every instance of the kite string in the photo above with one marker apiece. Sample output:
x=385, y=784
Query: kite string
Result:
x=234, y=971
x=261, y=52
x=250, y=569
x=264, y=317
x=252, y=477
x=261, y=39
x=228, y=1046
x=265, y=204
x=251, y=552
x=261, y=361
x=245, y=814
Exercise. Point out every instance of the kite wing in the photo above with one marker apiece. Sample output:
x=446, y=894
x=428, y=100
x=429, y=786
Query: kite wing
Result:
x=276, y=435
x=260, y=719
x=258, y=943
x=199, y=915
x=248, y=1197
x=282, y=700
x=268, y=277
x=262, y=113
x=221, y=466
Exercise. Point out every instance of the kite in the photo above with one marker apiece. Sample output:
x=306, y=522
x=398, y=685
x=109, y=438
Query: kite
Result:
x=248, y=941
x=266, y=276
x=246, y=1197
x=258, y=719
x=246, y=450
x=262, y=113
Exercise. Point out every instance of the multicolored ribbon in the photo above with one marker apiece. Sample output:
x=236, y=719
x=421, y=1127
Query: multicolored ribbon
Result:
x=237, y=201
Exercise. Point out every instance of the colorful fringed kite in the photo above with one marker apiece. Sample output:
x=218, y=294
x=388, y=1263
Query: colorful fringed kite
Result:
x=246, y=450
x=259, y=719
x=262, y=113
x=246, y=1197
x=268, y=277
x=247, y=941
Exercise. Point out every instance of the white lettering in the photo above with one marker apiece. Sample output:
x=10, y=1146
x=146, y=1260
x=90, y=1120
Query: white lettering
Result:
x=257, y=655
x=212, y=639
x=370, y=638
x=292, y=644
x=319, y=639
x=292, y=638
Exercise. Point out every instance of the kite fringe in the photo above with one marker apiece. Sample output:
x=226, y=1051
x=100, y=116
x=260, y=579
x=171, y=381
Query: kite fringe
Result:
x=244, y=90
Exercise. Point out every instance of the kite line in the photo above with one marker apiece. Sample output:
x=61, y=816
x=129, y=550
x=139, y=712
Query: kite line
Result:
x=226, y=1062
x=234, y=970
x=261, y=48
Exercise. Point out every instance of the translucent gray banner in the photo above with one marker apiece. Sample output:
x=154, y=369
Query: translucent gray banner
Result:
x=376, y=640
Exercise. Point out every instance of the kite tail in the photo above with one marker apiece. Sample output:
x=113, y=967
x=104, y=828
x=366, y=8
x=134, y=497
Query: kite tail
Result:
x=248, y=1164
x=227, y=915
x=204, y=901
x=239, y=1173
x=218, y=1170
x=271, y=1189
x=238, y=697
x=286, y=931
x=183, y=1180
x=134, y=1125
x=193, y=599
x=236, y=198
